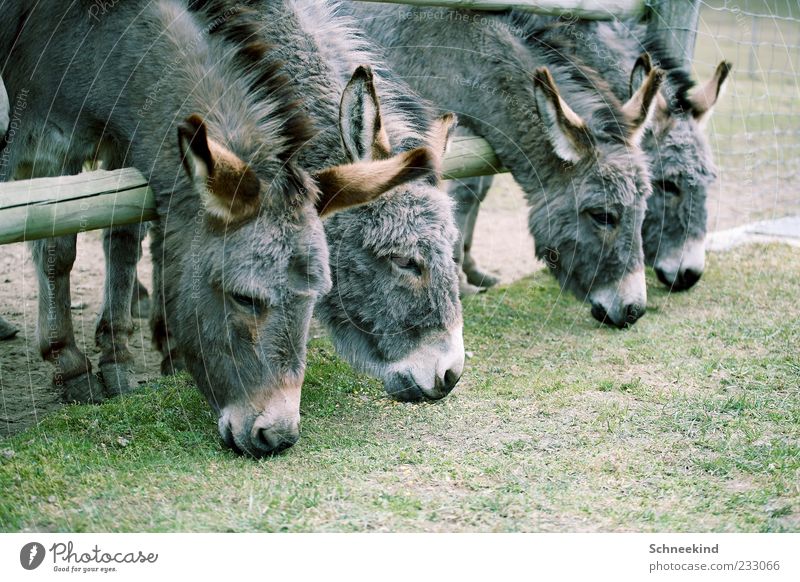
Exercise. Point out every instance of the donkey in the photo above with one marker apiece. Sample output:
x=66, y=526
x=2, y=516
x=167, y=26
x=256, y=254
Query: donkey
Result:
x=568, y=141
x=239, y=251
x=393, y=311
x=681, y=164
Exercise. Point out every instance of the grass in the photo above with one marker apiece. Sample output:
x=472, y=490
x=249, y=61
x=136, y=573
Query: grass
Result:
x=690, y=421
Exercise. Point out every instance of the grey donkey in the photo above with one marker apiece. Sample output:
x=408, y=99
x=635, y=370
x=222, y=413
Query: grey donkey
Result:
x=393, y=311
x=239, y=250
x=569, y=142
x=681, y=165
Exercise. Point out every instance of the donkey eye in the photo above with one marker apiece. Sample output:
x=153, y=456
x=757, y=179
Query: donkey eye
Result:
x=670, y=188
x=407, y=264
x=605, y=219
x=250, y=303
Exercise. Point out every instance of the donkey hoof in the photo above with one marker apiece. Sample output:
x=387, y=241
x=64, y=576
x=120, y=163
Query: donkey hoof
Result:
x=481, y=279
x=115, y=379
x=467, y=290
x=7, y=331
x=83, y=389
x=140, y=309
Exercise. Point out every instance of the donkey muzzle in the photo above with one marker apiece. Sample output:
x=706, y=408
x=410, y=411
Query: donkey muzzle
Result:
x=267, y=424
x=621, y=305
x=431, y=372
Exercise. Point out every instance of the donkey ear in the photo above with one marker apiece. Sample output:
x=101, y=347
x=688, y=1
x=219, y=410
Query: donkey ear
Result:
x=343, y=187
x=441, y=133
x=567, y=131
x=641, y=107
x=228, y=187
x=195, y=153
x=360, y=123
x=704, y=98
x=5, y=109
x=641, y=69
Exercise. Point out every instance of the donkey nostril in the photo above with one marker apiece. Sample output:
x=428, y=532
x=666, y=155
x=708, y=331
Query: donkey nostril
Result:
x=271, y=441
x=633, y=313
x=451, y=379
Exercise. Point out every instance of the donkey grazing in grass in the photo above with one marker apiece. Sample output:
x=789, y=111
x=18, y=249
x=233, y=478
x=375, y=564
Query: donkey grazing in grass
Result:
x=681, y=165
x=680, y=160
x=239, y=250
x=569, y=142
x=394, y=310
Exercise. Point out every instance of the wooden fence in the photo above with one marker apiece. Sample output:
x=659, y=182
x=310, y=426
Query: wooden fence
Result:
x=46, y=207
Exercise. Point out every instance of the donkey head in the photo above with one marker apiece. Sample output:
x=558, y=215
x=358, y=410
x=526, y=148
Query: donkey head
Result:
x=394, y=310
x=588, y=230
x=255, y=260
x=682, y=171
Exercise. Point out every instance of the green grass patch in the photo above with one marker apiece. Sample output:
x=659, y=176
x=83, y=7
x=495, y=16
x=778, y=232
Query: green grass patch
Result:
x=689, y=421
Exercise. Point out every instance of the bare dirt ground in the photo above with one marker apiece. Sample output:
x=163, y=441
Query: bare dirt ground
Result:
x=502, y=246
x=25, y=380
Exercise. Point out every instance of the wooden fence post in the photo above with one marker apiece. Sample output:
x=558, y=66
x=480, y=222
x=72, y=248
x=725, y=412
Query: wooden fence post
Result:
x=675, y=21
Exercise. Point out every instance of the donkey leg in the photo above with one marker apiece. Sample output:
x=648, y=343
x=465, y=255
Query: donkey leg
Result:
x=475, y=276
x=465, y=205
x=73, y=370
x=121, y=246
x=171, y=361
x=140, y=301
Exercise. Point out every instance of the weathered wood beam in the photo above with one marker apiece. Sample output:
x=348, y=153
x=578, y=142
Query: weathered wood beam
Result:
x=45, y=207
x=470, y=156
x=587, y=9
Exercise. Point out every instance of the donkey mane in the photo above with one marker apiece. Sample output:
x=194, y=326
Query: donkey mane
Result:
x=406, y=117
x=240, y=25
x=553, y=41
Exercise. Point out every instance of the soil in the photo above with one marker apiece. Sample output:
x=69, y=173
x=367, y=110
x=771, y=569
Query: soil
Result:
x=26, y=393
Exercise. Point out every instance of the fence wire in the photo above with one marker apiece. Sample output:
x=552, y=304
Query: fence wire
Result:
x=755, y=130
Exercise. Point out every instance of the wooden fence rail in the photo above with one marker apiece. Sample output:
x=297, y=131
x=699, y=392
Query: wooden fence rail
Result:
x=45, y=207
x=587, y=9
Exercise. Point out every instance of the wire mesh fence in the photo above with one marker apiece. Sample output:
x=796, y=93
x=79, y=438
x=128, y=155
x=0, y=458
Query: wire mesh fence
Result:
x=755, y=131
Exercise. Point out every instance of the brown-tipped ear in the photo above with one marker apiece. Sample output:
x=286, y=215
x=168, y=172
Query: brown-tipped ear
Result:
x=661, y=118
x=193, y=144
x=704, y=98
x=641, y=68
x=566, y=129
x=228, y=187
x=343, y=187
x=360, y=122
x=641, y=107
x=441, y=133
